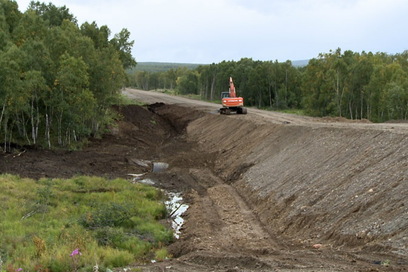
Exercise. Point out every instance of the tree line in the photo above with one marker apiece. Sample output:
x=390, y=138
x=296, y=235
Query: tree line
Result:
x=353, y=85
x=57, y=79
x=160, y=66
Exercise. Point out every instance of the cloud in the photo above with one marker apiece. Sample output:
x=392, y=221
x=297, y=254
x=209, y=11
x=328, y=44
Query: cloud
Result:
x=206, y=31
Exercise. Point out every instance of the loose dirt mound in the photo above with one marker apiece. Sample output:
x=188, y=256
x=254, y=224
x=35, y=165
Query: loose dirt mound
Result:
x=261, y=194
x=138, y=135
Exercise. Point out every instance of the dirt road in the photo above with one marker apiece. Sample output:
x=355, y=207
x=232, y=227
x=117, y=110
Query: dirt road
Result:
x=261, y=116
x=267, y=191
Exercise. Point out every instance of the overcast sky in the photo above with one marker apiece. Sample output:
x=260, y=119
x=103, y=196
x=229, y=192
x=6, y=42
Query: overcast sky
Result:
x=210, y=31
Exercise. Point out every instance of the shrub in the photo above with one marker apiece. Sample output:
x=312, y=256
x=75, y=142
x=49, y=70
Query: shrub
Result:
x=110, y=215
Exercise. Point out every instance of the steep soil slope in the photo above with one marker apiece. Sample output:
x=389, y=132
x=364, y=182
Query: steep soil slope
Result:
x=336, y=186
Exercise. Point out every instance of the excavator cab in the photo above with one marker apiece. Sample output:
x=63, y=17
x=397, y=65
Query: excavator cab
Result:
x=225, y=95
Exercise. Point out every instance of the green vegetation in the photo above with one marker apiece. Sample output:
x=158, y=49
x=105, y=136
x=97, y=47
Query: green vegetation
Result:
x=347, y=84
x=58, y=80
x=158, y=75
x=75, y=224
x=166, y=80
x=124, y=100
x=293, y=111
x=161, y=66
x=357, y=86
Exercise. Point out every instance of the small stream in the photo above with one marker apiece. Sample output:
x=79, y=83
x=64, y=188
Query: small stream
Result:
x=175, y=206
x=176, y=209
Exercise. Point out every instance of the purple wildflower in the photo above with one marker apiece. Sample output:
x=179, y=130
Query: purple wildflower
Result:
x=19, y=270
x=75, y=252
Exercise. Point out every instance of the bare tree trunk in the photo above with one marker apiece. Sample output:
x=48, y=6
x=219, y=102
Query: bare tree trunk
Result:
x=2, y=111
x=7, y=140
x=33, y=130
x=47, y=130
x=5, y=136
x=338, y=92
x=212, y=88
x=60, y=129
x=38, y=122
x=276, y=96
x=340, y=101
x=68, y=137
x=368, y=112
x=260, y=100
x=361, y=104
x=24, y=129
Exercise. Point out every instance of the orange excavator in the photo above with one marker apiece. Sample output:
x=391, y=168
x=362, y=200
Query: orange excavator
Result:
x=230, y=102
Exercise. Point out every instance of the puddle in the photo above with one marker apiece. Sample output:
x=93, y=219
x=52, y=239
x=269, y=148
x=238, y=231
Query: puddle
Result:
x=176, y=209
x=159, y=167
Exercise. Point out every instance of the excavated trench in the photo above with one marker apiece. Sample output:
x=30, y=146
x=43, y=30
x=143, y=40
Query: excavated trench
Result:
x=263, y=196
x=337, y=191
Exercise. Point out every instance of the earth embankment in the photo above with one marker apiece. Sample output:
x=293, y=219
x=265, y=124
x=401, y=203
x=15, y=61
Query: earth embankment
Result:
x=338, y=186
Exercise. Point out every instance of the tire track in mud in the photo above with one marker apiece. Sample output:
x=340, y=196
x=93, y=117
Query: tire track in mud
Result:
x=240, y=231
x=224, y=232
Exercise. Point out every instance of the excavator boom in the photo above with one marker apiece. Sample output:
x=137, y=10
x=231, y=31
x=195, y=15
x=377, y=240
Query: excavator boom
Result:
x=232, y=92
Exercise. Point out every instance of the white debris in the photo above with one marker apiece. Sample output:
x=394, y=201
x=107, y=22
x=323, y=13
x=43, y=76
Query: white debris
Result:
x=147, y=181
x=176, y=209
x=136, y=176
x=142, y=163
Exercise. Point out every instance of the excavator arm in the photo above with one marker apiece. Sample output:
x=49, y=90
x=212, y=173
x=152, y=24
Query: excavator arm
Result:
x=232, y=92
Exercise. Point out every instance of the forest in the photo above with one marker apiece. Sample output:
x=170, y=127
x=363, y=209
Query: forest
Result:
x=348, y=84
x=58, y=79
x=160, y=66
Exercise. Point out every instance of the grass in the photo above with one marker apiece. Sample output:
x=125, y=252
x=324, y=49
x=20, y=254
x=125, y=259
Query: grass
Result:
x=112, y=222
x=293, y=111
x=124, y=100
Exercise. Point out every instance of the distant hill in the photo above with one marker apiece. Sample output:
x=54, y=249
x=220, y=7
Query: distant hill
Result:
x=162, y=66
x=300, y=63
x=165, y=66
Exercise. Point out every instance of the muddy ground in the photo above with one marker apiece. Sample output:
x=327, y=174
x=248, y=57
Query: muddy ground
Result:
x=267, y=191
